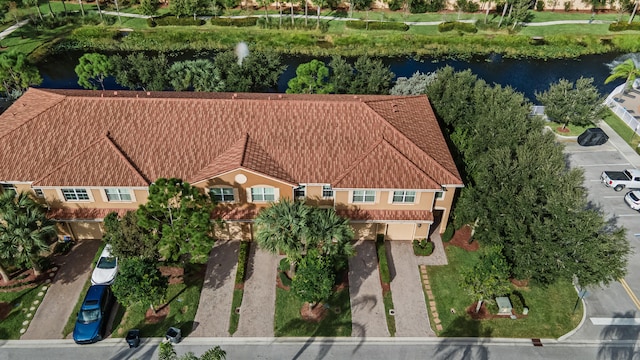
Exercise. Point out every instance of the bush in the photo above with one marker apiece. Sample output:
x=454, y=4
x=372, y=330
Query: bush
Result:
x=395, y=5
x=284, y=265
x=467, y=6
x=456, y=25
x=567, y=6
x=423, y=247
x=385, y=276
x=540, y=5
x=298, y=24
x=284, y=279
x=241, y=22
x=418, y=7
x=376, y=25
x=448, y=232
x=243, y=257
x=174, y=21
x=517, y=301
x=622, y=26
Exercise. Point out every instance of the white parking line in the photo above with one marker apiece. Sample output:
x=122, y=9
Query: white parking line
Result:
x=613, y=196
x=615, y=321
x=627, y=215
x=620, y=164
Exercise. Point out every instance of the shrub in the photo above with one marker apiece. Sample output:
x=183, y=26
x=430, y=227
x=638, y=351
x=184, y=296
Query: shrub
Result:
x=448, y=232
x=284, y=279
x=385, y=276
x=298, y=24
x=567, y=6
x=376, y=25
x=423, y=247
x=284, y=265
x=491, y=305
x=240, y=22
x=456, y=25
x=395, y=5
x=174, y=21
x=517, y=301
x=540, y=5
x=622, y=26
x=418, y=7
x=243, y=257
x=467, y=6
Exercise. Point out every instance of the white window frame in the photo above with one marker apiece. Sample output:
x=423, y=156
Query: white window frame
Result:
x=363, y=194
x=262, y=192
x=75, y=192
x=222, y=194
x=403, y=194
x=39, y=193
x=119, y=193
x=9, y=187
x=327, y=188
x=300, y=189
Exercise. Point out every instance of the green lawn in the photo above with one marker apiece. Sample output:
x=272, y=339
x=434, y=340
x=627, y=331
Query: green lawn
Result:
x=21, y=302
x=289, y=323
x=235, y=317
x=550, y=308
x=623, y=130
x=183, y=302
x=574, y=130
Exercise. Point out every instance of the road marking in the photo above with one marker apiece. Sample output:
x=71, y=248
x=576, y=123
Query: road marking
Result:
x=615, y=321
x=590, y=165
x=627, y=215
x=633, y=296
x=613, y=196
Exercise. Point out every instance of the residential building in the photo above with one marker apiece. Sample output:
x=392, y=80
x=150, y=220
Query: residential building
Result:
x=381, y=161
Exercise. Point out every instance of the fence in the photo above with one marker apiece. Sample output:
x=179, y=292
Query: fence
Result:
x=620, y=111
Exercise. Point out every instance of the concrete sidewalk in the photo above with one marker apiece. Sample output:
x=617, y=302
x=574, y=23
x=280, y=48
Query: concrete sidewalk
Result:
x=408, y=298
x=259, y=300
x=214, y=309
x=367, y=307
x=58, y=303
x=12, y=28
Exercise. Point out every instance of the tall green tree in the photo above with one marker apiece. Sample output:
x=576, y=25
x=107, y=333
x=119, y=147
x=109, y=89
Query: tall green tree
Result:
x=578, y=104
x=341, y=74
x=311, y=78
x=138, y=71
x=314, y=279
x=488, y=278
x=128, y=239
x=92, y=69
x=178, y=216
x=149, y=7
x=199, y=74
x=629, y=70
x=258, y=72
x=330, y=235
x=17, y=73
x=167, y=352
x=139, y=281
x=24, y=230
x=371, y=77
x=415, y=85
x=35, y=4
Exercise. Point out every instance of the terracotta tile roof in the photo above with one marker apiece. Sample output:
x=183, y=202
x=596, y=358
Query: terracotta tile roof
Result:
x=386, y=215
x=296, y=138
x=61, y=214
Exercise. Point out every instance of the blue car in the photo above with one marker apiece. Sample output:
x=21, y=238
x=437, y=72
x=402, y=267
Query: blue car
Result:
x=92, y=319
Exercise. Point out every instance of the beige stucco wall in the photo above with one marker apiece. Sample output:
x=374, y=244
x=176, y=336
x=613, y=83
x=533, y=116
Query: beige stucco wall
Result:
x=314, y=197
x=424, y=201
x=86, y=230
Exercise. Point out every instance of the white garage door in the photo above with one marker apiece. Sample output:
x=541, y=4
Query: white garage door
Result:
x=400, y=231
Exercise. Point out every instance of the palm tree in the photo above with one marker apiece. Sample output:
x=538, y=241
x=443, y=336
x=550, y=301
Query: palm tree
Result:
x=281, y=228
x=628, y=69
x=25, y=229
x=330, y=233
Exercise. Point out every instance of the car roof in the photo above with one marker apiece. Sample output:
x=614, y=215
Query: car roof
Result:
x=634, y=172
x=93, y=295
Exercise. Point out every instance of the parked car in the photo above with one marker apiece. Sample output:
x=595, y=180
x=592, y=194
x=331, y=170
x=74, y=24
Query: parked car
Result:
x=106, y=268
x=633, y=199
x=592, y=137
x=93, y=316
x=618, y=180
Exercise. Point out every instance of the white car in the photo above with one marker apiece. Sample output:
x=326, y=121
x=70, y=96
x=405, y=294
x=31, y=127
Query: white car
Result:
x=106, y=269
x=633, y=199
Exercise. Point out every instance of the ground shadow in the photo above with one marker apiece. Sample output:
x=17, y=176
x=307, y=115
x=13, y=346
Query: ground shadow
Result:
x=619, y=342
x=362, y=265
x=222, y=260
x=76, y=262
x=452, y=348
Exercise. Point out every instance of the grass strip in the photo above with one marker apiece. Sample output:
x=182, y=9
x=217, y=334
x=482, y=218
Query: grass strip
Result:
x=385, y=278
x=238, y=292
x=625, y=132
x=235, y=316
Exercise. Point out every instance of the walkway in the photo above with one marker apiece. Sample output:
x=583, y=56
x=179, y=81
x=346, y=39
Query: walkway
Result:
x=12, y=28
x=408, y=298
x=214, y=309
x=59, y=301
x=367, y=307
x=259, y=299
x=438, y=257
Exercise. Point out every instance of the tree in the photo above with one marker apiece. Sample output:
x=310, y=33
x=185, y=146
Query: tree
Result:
x=24, y=230
x=139, y=281
x=167, y=352
x=35, y=4
x=371, y=77
x=628, y=70
x=415, y=85
x=311, y=78
x=138, y=71
x=81, y=7
x=341, y=74
x=199, y=74
x=281, y=227
x=149, y=7
x=92, y=70
x=488, y=278
x=179, y=8
x=178, y=216
x=128, y=239
x=330, y=235
x=258, y=72
x=314, y=279
x=520, y=11
x=17, y=73
x=580, y=105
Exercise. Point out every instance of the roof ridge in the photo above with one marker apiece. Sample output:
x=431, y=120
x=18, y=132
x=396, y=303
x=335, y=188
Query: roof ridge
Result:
x=127, y=161
x=409, y=160
x=358, y=160
x=244, y=149
x=60, y=96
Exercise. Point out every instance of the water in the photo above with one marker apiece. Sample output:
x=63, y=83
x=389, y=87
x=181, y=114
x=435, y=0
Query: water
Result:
x=524, y=75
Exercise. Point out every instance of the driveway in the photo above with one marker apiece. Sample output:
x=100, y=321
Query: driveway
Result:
x=367, y=307
x=214, y=309
x=58, y=303
x=408, y=298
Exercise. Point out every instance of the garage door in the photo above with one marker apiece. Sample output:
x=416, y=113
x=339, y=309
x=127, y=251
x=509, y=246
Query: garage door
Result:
x=232, y=231
x=400, y=231
x=86, y=230
x=364, y=231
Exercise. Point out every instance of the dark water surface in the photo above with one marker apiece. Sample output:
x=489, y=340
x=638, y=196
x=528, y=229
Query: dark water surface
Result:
x=524, y=75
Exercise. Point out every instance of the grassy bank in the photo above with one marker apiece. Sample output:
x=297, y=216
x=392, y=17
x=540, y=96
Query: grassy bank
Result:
x=623, y=130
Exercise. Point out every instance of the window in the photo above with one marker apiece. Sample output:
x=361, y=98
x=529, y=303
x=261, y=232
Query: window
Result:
x=327, y=191
x=39, y=193
x=439, y=195
x=364, y=196
x=117, y=194
x=404, y=196
x=222, y=194
x=75, y=194
x=9, y=188
x=300, y=192
x=263, y=194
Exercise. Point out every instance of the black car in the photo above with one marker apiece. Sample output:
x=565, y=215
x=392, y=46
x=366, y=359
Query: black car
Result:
x=592, y=137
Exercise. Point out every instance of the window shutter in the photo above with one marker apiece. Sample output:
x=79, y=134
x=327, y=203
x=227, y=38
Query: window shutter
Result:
x=249, y=195
x=350, y=199
x=236, y=195
x=276, y=194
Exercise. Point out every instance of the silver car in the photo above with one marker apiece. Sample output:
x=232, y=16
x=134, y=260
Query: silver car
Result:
x=633, y=199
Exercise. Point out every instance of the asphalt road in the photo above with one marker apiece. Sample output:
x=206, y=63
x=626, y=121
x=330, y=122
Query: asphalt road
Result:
x=613, y=301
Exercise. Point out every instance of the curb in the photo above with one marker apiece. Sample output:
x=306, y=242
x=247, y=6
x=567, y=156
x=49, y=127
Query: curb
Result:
x=582, y=321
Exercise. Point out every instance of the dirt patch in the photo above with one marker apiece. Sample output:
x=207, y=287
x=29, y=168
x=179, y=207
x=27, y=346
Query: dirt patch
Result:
x=279, y=283
x=24, y=279
x=344, y=282
x=520, y=283
x=461, y=239
x=565, y=130
x=151, y=317
x=313, y=315
x=5, y=309
x=174, y=273
x=238, y=286
x=385, y=287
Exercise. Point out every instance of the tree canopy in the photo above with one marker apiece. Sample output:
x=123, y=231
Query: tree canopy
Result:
x=139, y=281
x=92, y=69
x=17, y=73
x=199, y=75
x=128, y=239
x=487, y=278
x=568, y=103
x=258, y=72
x=629, y=70
x=138, y=71
x=314, y=278
x=311, y=78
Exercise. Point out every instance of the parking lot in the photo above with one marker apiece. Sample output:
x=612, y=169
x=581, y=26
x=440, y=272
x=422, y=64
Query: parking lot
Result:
x=612, y=301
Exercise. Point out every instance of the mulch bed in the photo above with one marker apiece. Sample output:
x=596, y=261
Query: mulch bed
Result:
x=313, y=315
x=561, y=130
x=175, y=274
x=24, y=280
x=461, y=239
x=484, y=314
x=519, y=283
x=280, y=284
x=151, y=317
x=5, y=309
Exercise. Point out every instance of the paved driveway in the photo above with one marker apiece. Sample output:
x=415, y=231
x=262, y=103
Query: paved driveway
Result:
x=58, y=303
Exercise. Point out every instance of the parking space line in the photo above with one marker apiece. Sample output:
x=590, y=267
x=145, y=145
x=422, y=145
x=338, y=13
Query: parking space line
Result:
x=613, y=196
x=627, y=215
x=592, y=165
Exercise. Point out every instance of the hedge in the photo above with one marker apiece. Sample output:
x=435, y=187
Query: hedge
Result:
x=239, y=22
x=376, y=25
x=622, y=26
x=172, y=20
x=243, y=257
x=456, y=25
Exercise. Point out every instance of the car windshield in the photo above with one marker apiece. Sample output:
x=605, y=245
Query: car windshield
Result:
x=107, y=262
x=87, y=316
